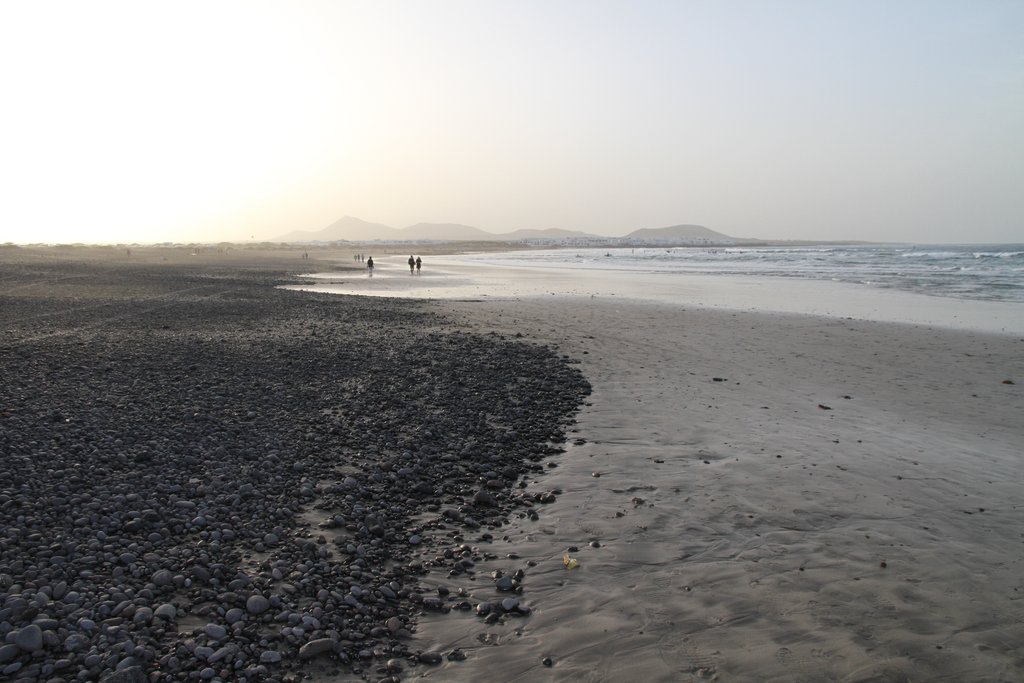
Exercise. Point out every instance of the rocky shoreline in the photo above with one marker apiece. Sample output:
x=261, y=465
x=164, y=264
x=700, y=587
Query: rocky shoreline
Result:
x=208, y=478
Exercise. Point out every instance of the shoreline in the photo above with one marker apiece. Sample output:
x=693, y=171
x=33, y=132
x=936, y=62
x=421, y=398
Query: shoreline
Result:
x=451, y=279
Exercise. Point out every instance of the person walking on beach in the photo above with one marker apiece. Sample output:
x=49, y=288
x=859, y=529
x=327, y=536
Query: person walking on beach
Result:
x=369, y=266
x=419, y=264
x=412, y=263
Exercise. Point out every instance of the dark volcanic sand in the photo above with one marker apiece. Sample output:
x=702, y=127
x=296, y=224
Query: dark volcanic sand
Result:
x=203, y=477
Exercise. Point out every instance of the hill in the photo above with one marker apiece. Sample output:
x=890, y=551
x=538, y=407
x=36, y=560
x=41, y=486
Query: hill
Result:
x=678, y=232
x=549, y=234
x=354, y=229
x=348, y=228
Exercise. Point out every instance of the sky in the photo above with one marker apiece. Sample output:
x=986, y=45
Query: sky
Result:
x=206, y=121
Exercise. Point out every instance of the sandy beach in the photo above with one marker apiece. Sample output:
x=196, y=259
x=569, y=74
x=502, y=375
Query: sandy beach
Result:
x=808, y=493
x=749, y=496
x=776, y=498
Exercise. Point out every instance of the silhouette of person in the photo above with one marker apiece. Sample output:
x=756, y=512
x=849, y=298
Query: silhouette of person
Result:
x=369, y=266
x=412, y=264
x=419, y=264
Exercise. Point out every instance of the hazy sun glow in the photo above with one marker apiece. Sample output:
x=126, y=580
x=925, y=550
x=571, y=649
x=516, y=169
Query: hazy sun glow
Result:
x=203, y=121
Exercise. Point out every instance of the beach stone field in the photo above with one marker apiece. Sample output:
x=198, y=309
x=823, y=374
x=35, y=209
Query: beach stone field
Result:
x=206, y=478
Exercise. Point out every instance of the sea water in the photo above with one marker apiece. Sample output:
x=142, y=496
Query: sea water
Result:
x=983, y=272
x=963, y=287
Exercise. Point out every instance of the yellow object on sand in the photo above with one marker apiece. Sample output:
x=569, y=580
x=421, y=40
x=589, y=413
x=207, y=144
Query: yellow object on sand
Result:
x=570, y=562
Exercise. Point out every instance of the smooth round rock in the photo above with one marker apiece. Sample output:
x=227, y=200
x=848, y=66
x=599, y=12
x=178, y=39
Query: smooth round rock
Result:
x=317, y=647
x=257, y=604
x=8, y=652
x=162, y=578
x=30, y=638
x=215, y=631
x=504, y=583
x=166, y=611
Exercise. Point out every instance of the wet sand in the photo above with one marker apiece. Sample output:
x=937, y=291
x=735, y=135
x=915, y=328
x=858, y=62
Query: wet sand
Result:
x=780, y=498
x=781, y=485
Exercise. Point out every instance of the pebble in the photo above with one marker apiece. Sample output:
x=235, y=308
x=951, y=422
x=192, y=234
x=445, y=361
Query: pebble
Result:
x=163, y=578
x=194, y=456
x=8, y=652
x=257, y=604
x=504, y=583
x=215, y=631
x=317, y=647
x=483, y=497
x=166, y=611
x=30, y=638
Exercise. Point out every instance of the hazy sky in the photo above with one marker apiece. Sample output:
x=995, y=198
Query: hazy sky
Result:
x=145, y=121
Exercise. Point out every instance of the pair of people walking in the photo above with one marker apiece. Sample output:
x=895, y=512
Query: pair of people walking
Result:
x=415, y=263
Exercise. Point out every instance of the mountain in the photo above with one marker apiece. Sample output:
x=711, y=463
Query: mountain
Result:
x=355, y=229
x=348, y=228
x=452, y=232
x=678, y=232
x=549, y=234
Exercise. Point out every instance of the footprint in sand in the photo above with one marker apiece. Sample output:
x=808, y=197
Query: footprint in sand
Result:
x=814, y=666
x=686, y=657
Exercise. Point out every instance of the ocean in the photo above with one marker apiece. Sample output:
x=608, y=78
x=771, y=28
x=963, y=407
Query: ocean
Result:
x=980, y=272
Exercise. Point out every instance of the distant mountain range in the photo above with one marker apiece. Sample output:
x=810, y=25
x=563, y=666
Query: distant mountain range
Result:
x=354, y=229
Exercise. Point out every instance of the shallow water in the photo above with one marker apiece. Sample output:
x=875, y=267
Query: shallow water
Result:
x=502, y=277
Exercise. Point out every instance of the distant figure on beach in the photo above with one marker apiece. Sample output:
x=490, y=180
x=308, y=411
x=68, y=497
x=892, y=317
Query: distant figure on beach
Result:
x=369, y=266
x=412, y=264
x=419, y=264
